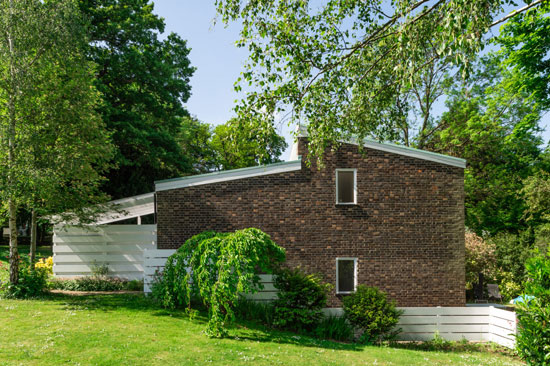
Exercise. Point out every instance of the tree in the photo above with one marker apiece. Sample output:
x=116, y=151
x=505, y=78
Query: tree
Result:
x=340, y=66
x=239, y=144
x=232, y=145
x=525, y=41
x=44, y=77
x=144, y=82
x=495, y=127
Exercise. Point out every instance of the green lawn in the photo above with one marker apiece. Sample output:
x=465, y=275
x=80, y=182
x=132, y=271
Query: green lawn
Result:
x=129, y=330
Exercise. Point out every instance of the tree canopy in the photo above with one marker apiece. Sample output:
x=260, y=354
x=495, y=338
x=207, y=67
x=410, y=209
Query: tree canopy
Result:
x=53, y=145
x=340, y=66
x=144, y=83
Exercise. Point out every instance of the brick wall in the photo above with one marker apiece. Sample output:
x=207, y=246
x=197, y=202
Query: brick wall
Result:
x=407, y=229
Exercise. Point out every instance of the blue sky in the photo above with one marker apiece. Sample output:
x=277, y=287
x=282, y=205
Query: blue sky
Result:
x=217, y=60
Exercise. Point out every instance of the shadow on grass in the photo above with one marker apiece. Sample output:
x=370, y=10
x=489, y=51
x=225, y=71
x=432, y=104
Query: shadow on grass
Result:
x=253, y=332
x=454, y=347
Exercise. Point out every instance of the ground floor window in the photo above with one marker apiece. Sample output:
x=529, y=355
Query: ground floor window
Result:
x=346, y=275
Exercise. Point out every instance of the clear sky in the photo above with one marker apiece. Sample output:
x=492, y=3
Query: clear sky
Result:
x=217, y=60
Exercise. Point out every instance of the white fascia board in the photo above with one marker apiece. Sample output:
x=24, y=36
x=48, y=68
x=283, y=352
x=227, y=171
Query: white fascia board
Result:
x=414, y=153
x=228, y=175
x=398, y=149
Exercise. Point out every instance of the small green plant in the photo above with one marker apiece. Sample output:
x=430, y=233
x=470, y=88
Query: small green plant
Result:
x=99, y=270
x=222, y=267
x=369, y=311
x=438, y=343
x=533, y=338
x=300, y=299
x=335, y=328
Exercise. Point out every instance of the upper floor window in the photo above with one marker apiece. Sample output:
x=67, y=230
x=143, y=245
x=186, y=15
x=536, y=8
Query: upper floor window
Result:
x=346, y=186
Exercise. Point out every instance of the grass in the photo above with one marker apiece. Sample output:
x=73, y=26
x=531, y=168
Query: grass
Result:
x=127, y=329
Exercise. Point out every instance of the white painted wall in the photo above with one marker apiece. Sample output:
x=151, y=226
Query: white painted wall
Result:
x=121, y=247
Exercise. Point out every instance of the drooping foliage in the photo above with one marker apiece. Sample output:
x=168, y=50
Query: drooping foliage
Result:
x=144, y=82
x=216, y=269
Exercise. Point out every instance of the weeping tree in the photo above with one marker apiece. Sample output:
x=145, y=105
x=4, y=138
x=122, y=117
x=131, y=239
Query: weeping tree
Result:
x=342, y=66
x=216, y=268
x=52, y=145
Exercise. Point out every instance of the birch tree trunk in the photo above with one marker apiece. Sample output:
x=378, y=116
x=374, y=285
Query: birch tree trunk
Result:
x=32, y=252
x=14, y=255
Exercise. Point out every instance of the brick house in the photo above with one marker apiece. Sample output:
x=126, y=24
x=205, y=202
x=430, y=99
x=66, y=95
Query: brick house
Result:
x=387, y=216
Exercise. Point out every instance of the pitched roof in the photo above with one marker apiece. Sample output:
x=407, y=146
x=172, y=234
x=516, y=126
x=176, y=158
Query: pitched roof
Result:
x=228, y=175
x=296, y=164
x=392, y=148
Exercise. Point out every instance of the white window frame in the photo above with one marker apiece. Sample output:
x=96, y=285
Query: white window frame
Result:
x=354, y=185
x=354, y=259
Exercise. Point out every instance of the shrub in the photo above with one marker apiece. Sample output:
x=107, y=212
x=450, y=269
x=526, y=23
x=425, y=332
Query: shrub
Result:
x=533, y=338
x=46, y=264
x=32, y=283
x=96, y=283
x=223, y=266
x=259, y=312
x=335, y=328
x=300, y=299
x=480, y=258
x=369, y=311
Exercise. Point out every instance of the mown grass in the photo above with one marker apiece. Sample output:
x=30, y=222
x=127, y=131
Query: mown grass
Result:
x=128, y=329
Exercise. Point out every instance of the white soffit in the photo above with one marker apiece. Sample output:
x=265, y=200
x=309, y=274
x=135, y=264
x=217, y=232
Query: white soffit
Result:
x=128, y=208
x=228, y=175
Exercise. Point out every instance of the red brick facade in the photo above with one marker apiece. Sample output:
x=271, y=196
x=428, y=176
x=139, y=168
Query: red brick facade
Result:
x=406, y=230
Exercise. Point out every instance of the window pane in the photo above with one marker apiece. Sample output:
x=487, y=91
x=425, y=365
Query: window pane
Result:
x=345, y=187
x=346, y=275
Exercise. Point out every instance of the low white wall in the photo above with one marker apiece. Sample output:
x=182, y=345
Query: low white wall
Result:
x=121, y=247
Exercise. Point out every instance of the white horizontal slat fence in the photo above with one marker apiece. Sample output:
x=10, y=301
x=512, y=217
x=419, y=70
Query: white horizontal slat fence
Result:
x=456, y=323
x=76, y=250
x=155, y=260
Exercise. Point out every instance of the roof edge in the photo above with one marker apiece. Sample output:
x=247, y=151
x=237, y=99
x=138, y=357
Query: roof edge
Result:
x=228, y=175
x=301, y=131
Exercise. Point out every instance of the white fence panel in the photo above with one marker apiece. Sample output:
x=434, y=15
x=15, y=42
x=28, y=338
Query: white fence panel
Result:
x=455, y=323
x=76, y=250
x=155, y=260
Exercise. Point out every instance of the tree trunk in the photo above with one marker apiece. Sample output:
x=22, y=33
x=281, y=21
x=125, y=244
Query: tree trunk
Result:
x=32, y=252
x=14, y=255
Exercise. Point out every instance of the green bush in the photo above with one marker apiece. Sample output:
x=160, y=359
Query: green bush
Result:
x=533, y=338
x=32, y=283
x=96, y=283
x=222, y=267
x=255, y=311
x=335, y=328
x=369, y=311
x=300, y=299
